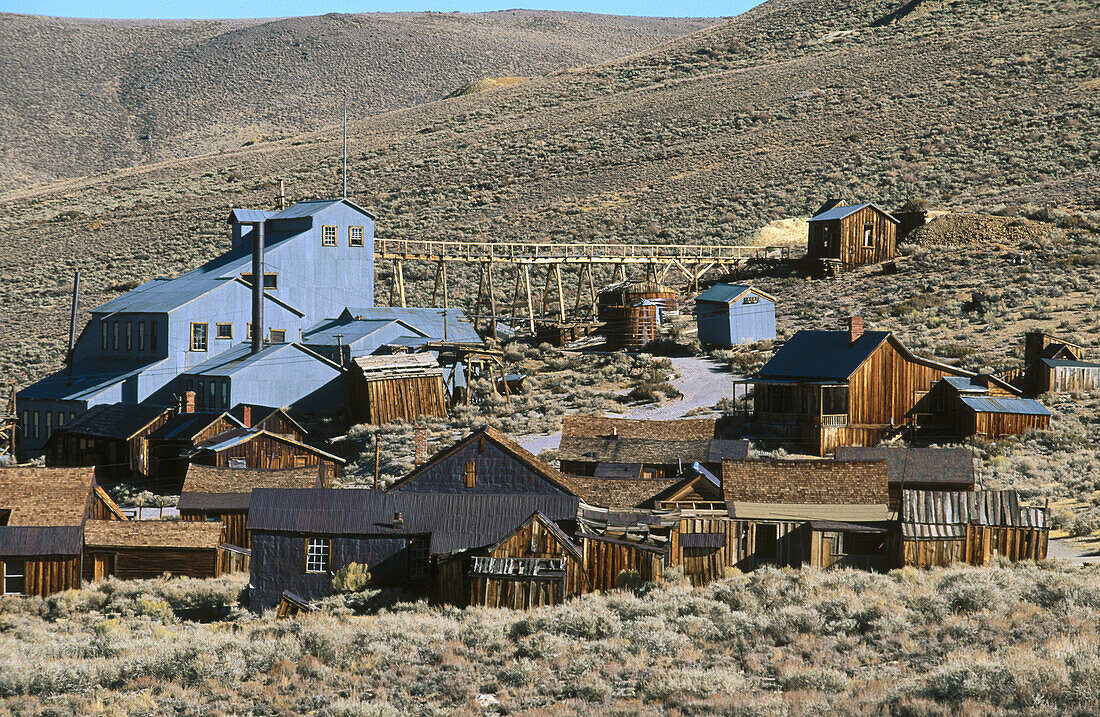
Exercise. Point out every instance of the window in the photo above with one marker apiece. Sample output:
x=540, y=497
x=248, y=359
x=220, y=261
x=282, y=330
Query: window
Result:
x=153, y=336
x=317, y=555
x=141, y=336
x=469, y=474
x=26, y=424
x=225, y=393
x=114, y=335
x=834, y=400
x=767, y=542
x=869, y=234
x=49, y=423
x=278, y=336
x=212, y=403
x=198, y=336
x=300, y=461
x=104, y=334
x=355, y=236
x=15, y=576
x=418, y=557
x=751, y=300
x=72, y=416
x=129, y=335
x=328, y=236
x=200, y=396
x=271, y=281
x=248, y=331
x=60, y=418
x=238, y=463
x=225, y=331
x=213, y=518
x=36, y=424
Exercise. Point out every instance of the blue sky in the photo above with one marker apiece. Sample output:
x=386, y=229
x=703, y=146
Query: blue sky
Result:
x=259, y=8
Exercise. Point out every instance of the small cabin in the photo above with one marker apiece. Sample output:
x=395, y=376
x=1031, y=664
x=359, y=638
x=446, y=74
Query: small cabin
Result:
x=985, y=406
x=850, y=235
x=407, y=387
x=731, y=314
x=146, y=549
x=259, y=449
x=113, y=437
x=1053, y=365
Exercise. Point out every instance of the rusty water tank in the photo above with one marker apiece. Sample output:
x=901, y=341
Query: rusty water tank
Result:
x=629, y=293
x=631, y=312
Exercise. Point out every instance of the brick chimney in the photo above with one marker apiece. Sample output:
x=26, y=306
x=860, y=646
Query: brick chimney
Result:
x=246, y=416
x=420, y=443
x=189, y=402
x=855, y=328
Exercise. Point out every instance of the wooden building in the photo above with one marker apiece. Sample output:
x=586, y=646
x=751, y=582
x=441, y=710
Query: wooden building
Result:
x=145, y=549
x=179, y=436
x=913, y=468
x=301, y=537
x=258, y=449
x=222, y=495
x=406, y=387
x=641, y=450
x=113, y=437
x=939, y=528
x=1053, y=365
x=849, y=235
x=42, y=516
x=986, y=407
x=534, y=565
x=488, y=462
x=824, y=389
x=731, y=314
x=273, y=420
x=606, y=559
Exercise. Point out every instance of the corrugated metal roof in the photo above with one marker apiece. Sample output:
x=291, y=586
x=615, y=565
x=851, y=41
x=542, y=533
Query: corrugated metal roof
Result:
x=455, y=521
x=1065, y=363
x=112, y=420
x=249, y=216
x=822, y=355
x=964, y=384
x=723, y=293
x=91, y=378
x=916, y=465
x=999, y=404
x=306, y=208
x=35, y=540
x=844, y=211
x=349, y=330
x=960, y=508
x=241, y=357
x=427, y=321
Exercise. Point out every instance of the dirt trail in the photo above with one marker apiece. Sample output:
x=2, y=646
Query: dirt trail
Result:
x=703, y=381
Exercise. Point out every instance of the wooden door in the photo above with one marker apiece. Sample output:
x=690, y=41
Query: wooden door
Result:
x=103, y=566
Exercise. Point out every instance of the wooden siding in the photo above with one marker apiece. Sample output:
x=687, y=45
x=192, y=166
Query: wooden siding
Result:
x=605, y=560
x=846, y=238
x=49, y=574
x=999, y=425
x=220, y=425
x=278, y=424
x=230, y=561
x=978, y=547
x=546, y=544
x=147, y=563
x=1068, y=379
x=383, y=401
x=233, y=522
x=268, y=453
x=517, y=593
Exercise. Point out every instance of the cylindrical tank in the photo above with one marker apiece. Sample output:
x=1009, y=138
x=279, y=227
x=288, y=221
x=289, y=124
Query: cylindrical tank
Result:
x=629, y=293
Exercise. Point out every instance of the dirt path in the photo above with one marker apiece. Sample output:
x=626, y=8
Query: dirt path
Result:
x=703, y=381
x=1079, y=551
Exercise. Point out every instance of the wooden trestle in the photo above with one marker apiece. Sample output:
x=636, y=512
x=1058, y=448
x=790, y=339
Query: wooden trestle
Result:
x=690, y=261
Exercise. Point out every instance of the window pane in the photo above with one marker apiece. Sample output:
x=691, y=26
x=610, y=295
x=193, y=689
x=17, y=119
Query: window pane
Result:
x=114, y=337
x=105, y=334
x=355, y=236
x=225, y=331
x=328, y=236
x=317, y=555
x=198, y=337
x=15, y=571
x=129, y=335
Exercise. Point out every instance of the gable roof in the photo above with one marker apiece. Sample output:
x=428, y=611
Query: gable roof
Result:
x=728, y=293
x=1067, y=363
x=455, y=521
x=519, y=453
x=185, y=426
x=427, y=321
x=260, y=414
x=806, y=490
x=249, y=216
x=348, y=331
x=912, y=466
x=46, y=496
x=38, y=540
x=237, y=436
x=612, y=492
x=310, y=207
x=89, y=378
x=680, y=429
x=551, y=526
x=207, y=488
x=648, y=451
x=839, y=212
x=119, y=421
x=184, y=534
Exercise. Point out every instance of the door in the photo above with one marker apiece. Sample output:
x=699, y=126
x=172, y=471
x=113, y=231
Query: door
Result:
x=103, y=566
x=767, y=543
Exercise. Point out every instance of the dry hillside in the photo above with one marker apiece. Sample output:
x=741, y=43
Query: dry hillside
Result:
x=968, y=103
x=84, y=96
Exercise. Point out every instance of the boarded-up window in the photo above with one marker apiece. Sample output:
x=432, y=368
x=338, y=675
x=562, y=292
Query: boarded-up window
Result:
x=278, y=336
x=355, y=236
x=317, y=555
x=328, y=236
x=469, y=474
x=301, y=461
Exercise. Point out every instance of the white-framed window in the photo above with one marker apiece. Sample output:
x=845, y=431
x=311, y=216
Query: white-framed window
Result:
x=225, y=331
x=355, y=236
x=199, y=335
x=13, y=571
x=328, y=235
x=317, y=554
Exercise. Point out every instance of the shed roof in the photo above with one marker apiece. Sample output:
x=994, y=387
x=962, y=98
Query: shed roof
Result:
x=90, y=378
x=629, y=524
x=965, y=384
x=839, y=212
x=612, y=492
x=184, y=426
x=230, y=489
x=806, y=490
x=455, y=521
x=427, y=321
x=912, y=465
x=1000, y=404
x=649, y=451
x=184, y=534
x=119, y=421
x=1066, y=363
x=728, y=293
x=398, y=365
x=680, y=429
x=945, y=514
x=46, y=496
x=249, y=216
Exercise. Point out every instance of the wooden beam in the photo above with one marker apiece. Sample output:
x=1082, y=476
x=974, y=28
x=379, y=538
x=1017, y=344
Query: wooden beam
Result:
x=530, y=308
x=561, y=294
x=400, y=268
x=492, y=301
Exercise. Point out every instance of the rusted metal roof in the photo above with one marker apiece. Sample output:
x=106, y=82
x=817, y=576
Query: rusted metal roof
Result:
x=945, y=514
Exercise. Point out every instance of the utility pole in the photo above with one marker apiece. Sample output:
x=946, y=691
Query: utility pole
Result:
x=75, y=306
